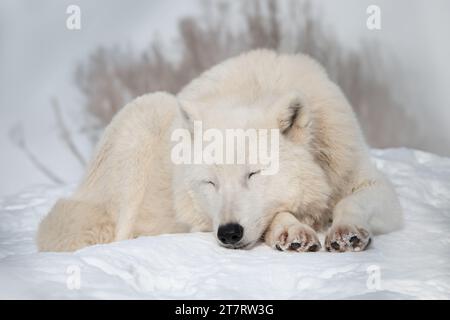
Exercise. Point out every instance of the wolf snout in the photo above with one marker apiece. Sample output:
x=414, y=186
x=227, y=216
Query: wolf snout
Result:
x=230, y=233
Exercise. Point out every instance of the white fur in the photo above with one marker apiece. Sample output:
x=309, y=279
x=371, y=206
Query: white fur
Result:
x=132, y=188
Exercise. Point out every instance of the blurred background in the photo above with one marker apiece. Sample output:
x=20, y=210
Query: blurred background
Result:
x=60, y=87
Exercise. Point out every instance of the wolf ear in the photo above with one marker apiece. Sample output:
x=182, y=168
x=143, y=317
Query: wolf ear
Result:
x=187, y=117
x=293, y=117
x=184, y=115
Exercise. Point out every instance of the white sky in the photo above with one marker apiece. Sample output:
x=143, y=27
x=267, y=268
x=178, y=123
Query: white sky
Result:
x=37, y=59
x=38, y=55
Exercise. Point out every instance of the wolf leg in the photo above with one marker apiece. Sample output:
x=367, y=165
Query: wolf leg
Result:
x=371, y=208
x=287, y=233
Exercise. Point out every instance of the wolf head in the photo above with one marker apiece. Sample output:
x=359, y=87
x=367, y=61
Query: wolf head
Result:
x=254, y=161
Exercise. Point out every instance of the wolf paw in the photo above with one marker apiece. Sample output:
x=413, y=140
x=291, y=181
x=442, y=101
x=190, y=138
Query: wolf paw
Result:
x=298, y=237
x=347, y=238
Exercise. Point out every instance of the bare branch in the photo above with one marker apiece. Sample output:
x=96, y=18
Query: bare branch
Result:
x=17, y=137
x=65, y=134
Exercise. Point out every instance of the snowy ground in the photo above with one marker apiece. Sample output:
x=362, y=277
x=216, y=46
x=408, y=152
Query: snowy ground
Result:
x=413, y=263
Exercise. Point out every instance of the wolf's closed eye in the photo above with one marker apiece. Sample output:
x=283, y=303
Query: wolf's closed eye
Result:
x=210, y=182
x=251, y=174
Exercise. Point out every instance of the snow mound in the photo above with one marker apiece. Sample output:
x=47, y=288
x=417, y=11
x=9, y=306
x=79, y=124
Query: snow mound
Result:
x=413, y=263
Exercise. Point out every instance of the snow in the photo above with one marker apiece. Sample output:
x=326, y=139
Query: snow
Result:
x=413, y=263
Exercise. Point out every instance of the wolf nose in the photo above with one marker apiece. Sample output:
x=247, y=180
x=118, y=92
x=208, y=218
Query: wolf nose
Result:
x=230, y=233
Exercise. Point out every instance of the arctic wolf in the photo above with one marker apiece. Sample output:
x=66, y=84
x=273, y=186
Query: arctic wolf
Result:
x=325, y=179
